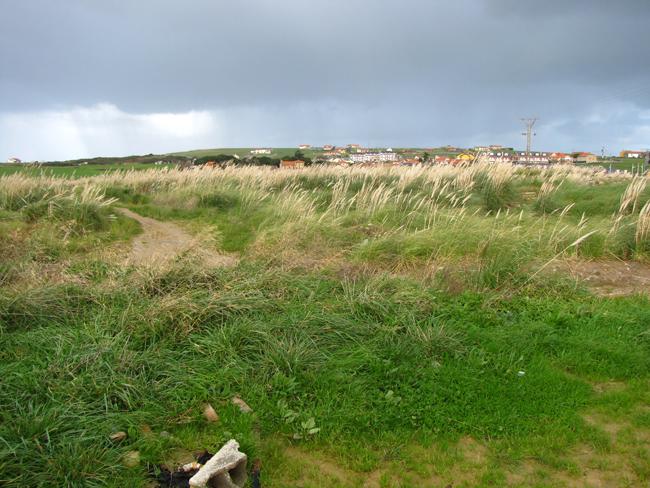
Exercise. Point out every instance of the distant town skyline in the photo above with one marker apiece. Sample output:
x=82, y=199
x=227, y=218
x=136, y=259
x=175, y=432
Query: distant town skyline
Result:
x=84, y=78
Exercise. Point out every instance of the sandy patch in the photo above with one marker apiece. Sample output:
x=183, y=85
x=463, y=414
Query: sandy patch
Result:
x=163, y=241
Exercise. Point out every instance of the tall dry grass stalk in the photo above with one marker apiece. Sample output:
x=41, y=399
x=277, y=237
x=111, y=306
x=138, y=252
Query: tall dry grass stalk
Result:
x=630, y=197
x=549, y=187
x=642, y=234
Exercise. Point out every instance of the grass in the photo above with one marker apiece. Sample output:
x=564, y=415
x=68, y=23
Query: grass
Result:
x=75, y=171
x=384, y=325
x=622, y=164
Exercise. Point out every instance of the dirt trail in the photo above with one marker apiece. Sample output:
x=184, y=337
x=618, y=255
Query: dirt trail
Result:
x=162, y=241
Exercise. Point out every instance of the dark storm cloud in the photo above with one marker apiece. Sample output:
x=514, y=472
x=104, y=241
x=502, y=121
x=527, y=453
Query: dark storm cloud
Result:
x=375, y=71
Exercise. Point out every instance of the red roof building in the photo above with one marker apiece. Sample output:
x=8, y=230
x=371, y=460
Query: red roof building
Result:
x=292, y=163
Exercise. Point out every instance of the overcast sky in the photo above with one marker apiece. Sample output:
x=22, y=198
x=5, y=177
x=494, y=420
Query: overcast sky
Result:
x=81, y=78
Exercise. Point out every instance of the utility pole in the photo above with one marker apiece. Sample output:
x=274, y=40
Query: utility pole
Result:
x=529, y=123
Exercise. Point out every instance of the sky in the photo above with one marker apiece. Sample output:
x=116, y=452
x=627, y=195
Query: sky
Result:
x=82, y=78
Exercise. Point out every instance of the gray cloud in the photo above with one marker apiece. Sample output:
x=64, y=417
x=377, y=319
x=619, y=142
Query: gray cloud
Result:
x=281, y=72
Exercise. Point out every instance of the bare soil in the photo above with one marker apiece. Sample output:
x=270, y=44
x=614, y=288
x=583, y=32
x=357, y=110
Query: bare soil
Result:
x=163, y=241
x=608, y=278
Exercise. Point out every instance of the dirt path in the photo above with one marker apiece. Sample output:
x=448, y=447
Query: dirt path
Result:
x=162, y=241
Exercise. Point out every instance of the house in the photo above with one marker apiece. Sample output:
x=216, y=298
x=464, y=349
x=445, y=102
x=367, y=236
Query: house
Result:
x=304, y=146
x=292, y=163
x=584, y=157
x=451, y=160
x=354, y=146
x=560, y=157
x=260, y=151
x=373, y=157
x=499, y=156
x=632, y=154
x=338, y=161
x=328, y=147
x=532, y=157
x=14, y=161
x=491, y=147
x=465, y=156
x=409, y=162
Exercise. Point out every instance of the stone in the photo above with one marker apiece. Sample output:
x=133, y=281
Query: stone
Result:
x=210, y=414
x=131, y=459
x=226, y=469
x=118, y=436
x=243, y=406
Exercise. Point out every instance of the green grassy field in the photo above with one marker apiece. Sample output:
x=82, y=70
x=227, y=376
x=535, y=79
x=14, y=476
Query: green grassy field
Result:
x=389, y=327
x=622, y=164
x=76, y=171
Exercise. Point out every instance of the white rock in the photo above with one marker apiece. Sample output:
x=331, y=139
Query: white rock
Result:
x=226, y=469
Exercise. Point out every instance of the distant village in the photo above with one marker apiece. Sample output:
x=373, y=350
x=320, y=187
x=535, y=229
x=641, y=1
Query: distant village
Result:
x=355, y=154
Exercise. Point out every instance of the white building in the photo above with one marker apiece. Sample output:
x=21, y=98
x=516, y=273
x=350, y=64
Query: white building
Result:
x=498, y=156
x=261, y=151
x=370, y=157
x=632, y=154
x=534, y=157
x=14, y=161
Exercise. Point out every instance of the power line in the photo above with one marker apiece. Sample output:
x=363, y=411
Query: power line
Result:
x=529, y=123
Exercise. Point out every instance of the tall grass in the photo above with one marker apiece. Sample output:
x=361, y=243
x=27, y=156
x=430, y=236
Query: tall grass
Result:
x=436, y=213
x=630, y=198
x=642, y=235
